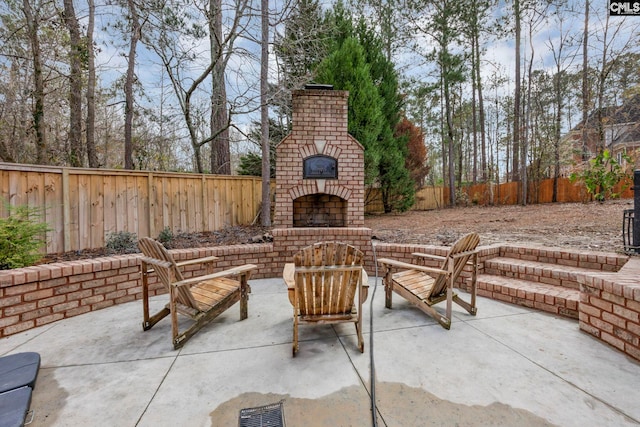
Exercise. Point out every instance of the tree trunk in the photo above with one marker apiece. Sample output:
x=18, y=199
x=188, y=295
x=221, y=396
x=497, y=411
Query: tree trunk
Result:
x=264, y=117
x=90, y=122
x=585, y=82
x=475, y=55
x=33, y=24
x=602, y=77
x=516, y=101
x=220, y=152
x=528, y=126
x=128, y=86
x=452, y=177
x=556, y=145
x=557, y=130
x=481, y=117
x=444, y=147
x=76, y=152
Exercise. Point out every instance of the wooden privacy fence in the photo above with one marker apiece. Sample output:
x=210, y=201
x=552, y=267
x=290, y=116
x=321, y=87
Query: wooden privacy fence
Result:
x=426, y=198
x=436, y=197
x=83, y=206
x=537, y=192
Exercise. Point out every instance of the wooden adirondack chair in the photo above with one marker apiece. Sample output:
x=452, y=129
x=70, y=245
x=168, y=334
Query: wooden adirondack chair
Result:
x=327, y=276
x=426, y=286
x=200, y=298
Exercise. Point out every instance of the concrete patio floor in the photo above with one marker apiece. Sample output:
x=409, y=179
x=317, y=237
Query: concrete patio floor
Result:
x=506, y=366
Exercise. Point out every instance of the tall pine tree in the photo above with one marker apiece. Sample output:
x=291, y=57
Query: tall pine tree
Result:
x=389, y=172
x=397, y=187
x=346, y=69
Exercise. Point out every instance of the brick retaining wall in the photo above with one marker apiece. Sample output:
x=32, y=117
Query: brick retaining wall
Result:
x=35, y=296
x=610, y=307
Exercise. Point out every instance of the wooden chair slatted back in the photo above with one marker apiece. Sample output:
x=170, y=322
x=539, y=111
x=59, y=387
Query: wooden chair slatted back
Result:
x=466, y=243
x=153, y=249
x=327, y=277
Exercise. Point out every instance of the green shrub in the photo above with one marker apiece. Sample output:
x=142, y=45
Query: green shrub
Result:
x=122, y=242
x=603, y=173
x=21, y=237
x=165, y=236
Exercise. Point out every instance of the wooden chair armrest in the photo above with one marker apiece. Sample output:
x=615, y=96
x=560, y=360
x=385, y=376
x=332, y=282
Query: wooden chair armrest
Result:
x=466, y=253
x=233, y=271
x=166, y=264
x=155, y=262
x=288, y=275
x=421, y=255
x=442, y=258
x=197, y=261
x=471, y=260
x=405, y=265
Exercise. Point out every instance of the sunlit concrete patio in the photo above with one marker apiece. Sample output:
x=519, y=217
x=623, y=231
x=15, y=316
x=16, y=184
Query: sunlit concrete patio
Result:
x=506, y=366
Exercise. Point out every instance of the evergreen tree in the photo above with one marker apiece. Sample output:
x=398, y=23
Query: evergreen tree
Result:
x=346, y=69
x=398, y=189
x=390, y=173
x=251, y=163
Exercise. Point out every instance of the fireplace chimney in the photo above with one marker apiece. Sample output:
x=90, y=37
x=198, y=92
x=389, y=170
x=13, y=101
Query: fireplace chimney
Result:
x=319, y=166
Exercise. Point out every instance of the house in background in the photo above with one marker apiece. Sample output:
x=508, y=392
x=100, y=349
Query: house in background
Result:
x=621, y=131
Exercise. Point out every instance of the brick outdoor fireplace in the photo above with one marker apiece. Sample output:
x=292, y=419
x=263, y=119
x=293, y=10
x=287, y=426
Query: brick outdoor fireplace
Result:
x=319, y=175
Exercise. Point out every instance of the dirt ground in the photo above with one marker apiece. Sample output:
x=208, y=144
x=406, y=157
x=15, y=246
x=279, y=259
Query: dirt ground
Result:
x=594, y=226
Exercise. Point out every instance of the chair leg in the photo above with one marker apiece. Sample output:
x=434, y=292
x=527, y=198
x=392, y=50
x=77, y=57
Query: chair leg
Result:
x=471, y=308
x=449, y=301
x=152, y=320
x=244, y=297
x=295, y=335
x=444, y=321
x=204, y=318
x=388, y=289
x=145, y=297
x=359, y=334
x=174, y=317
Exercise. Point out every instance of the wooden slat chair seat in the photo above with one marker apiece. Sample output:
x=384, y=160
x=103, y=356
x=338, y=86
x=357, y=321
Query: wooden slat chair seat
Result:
x=425, y=286
x=201, y=298
x=327, y=279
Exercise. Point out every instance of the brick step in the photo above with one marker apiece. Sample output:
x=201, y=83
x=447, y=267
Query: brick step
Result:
x=598, y=261
x=541, y=296
x=535, y=271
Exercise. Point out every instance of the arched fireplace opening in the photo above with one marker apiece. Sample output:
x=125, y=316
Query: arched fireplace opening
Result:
x=319, y=210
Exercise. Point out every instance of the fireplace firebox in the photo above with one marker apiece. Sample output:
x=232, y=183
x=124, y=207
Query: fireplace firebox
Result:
x=319, y=210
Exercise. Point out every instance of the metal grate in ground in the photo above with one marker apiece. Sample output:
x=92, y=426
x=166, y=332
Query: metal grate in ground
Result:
x=262, y=416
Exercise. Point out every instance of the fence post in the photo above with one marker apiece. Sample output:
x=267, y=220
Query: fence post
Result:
x=636, y=212
x=66, y=210
x=151, y=206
